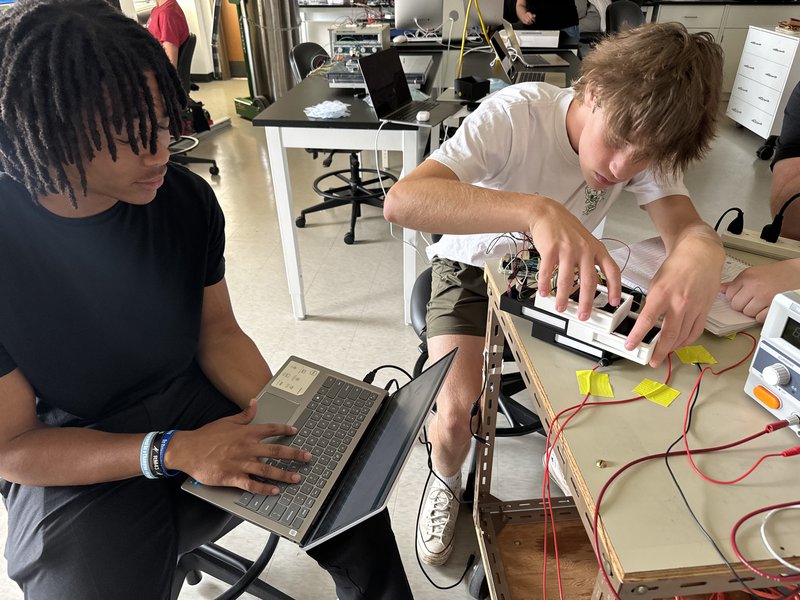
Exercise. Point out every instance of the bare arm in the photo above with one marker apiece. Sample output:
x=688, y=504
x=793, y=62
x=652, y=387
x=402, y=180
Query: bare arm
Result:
x=172, y=52
x=34, y=454
x=684, y=287
x=228, y=357
x=785, y=184
x=523, y=14
x=431, y=198
x=224, y=452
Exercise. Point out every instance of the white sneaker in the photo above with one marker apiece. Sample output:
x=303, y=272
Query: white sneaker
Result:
x=437, y=524
x=556, y=474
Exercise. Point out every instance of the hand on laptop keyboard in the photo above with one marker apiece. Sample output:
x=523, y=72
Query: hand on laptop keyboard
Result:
x=227, y=452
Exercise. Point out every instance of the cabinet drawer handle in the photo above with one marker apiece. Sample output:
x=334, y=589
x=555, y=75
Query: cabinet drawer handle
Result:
x=763, y=99
x=751, y=67
x=771, y=75
x=690, y=16
x=741, y=89
x=756, y=122
x=755, y=43
x=779, y=50
x=736, y=110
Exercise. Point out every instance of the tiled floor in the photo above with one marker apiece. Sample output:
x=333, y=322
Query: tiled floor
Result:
x=353, y=297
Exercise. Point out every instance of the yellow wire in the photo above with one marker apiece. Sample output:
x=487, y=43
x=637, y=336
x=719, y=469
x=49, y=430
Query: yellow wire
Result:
x=464, y=33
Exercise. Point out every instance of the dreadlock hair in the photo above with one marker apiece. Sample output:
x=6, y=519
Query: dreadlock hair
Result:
x=67, y=66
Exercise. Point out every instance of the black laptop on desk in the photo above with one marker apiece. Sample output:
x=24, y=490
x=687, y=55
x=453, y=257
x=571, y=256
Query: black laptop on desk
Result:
x=359, y=436
x=391, y=98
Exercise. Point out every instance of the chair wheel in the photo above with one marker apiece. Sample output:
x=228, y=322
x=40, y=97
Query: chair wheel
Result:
x=478, y=587
x=300, y=221
x=764, y=152
x=214, y=170
x=349, y=238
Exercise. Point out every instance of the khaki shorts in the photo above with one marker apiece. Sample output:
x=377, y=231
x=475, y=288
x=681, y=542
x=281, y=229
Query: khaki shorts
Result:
x=459, y=302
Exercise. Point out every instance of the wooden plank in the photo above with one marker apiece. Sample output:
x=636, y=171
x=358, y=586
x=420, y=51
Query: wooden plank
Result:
x=521, y=548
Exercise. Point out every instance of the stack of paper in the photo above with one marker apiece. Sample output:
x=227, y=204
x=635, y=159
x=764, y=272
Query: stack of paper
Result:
x=646, y=258
x=537, y=38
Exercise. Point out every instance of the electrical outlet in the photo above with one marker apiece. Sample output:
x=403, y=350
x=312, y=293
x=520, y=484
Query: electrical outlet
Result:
x=749, y=241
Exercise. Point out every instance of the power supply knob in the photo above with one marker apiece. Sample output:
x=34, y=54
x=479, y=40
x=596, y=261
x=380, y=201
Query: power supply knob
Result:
x=776, y=374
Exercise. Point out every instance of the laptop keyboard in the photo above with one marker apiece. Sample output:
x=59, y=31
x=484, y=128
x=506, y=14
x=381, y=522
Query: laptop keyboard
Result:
x=525, y=76
x=409, y=113
x=327, y=428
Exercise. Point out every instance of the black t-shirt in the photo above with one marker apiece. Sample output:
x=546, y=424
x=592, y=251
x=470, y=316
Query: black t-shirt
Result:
x=552, y=14
x=102, y=313
x=789, y=141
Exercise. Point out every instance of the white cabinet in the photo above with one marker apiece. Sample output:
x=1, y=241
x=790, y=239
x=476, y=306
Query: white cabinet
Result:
x=728, y=23
x=768, y=71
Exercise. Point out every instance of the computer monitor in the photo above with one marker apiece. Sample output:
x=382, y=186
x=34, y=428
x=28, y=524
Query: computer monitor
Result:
x=432, y=14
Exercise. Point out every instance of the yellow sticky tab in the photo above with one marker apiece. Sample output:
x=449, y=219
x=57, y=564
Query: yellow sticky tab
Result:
x=731, y=336
x=695, y=354
x=597, y=384
x=584, y=381
x=657, y=392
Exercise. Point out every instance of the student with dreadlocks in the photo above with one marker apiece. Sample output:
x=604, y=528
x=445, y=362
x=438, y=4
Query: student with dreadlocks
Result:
x=115, y=321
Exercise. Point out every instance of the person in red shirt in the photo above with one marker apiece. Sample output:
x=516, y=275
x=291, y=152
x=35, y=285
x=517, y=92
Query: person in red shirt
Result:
x=168, y=25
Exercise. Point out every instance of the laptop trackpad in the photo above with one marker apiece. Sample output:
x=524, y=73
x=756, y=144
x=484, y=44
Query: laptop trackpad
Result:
x=274, y=409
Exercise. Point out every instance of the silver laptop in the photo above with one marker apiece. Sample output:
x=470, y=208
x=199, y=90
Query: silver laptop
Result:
x=359, y=436
x=523, y=75
x=532, y=60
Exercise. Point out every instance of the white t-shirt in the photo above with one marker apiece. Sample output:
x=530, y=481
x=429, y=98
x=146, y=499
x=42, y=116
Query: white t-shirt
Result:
x=517, y=141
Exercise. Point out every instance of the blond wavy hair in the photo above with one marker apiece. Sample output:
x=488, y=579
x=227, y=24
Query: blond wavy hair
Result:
x=659, y=88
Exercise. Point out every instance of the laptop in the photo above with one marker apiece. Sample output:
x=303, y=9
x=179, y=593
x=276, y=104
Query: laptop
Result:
x=523, y=75
x=391, y=98
x=360, y=438
x=531, y=60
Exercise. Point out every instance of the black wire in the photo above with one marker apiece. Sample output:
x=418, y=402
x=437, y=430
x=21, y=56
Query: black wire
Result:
x=787, y=203
x=686, y=501
x=471, y=559
x=370, y=377
x=722, y=216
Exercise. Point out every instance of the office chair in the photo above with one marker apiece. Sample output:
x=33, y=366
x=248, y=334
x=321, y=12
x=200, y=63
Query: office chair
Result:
x=622, y=15
x=199, y=526
x=178, y=150
x=354, y=186
x=521, y=420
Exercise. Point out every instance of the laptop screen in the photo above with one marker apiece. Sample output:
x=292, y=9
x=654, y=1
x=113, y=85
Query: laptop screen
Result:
x=502, y=55
x=378, y=461
x=386, y=81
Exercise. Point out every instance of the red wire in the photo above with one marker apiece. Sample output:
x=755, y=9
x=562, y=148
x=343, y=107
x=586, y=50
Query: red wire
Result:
x=546, y=496
x=750, y=515
x=688, y=410
x=635, y=462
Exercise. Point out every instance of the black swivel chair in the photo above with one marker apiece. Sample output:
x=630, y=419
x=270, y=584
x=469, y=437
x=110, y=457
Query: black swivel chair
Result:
x=354, y=186
x=622, y=15
x=180, y=148
x=199, y=526
x=521, y=420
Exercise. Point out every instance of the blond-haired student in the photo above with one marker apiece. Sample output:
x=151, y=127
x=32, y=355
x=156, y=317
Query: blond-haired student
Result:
x=551, y=162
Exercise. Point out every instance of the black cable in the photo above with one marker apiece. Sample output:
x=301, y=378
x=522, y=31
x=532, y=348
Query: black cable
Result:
x=737, y=225
x=238, y=588
x=471, y=559
x=686, y=501
x=772, y=231
x=370, y=377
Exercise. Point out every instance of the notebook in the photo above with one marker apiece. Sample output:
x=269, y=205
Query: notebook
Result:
x=646, y=258
x=532, y=60
x=391, y=98
x=360, y=438
x=558, y=78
